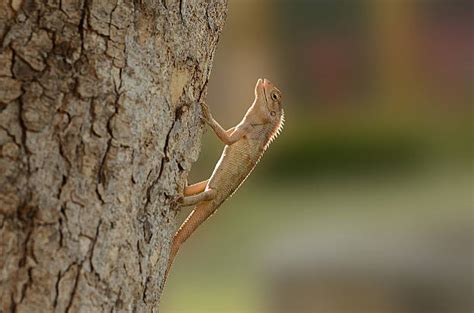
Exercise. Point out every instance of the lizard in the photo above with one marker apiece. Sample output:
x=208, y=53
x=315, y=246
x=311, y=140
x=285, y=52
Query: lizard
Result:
x=245, y=144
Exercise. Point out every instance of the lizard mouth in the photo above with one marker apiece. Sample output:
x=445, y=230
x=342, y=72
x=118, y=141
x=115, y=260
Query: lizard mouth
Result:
x=265, y=93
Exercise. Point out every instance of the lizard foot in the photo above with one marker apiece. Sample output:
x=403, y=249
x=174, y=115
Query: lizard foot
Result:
x=206, y=114
x=177, y=201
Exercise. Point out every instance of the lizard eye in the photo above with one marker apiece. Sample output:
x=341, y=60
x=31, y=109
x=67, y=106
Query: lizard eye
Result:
x=272, y=113
x=275, y=96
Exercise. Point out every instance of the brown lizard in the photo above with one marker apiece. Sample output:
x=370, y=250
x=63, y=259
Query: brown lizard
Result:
x=245, y=144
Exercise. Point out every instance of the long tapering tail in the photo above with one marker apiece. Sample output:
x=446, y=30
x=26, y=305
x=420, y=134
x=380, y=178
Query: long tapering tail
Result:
x=200, y=213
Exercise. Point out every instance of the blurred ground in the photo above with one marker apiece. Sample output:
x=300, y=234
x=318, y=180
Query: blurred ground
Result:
x=377, y=144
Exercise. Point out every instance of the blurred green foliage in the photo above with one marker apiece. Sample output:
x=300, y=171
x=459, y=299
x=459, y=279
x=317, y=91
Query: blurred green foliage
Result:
x=314, y=152
x=344, y=153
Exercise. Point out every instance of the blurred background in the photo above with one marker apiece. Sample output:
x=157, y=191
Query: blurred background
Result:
x=365, y=202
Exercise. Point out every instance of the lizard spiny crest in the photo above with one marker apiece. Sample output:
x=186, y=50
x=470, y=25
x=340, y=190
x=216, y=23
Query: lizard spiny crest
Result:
x=277, y=130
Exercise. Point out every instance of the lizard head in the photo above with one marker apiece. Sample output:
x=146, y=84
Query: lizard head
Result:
x=268, y=102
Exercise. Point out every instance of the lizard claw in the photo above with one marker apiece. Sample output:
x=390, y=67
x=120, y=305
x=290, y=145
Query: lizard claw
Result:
x=177, y=201
x=206, y=114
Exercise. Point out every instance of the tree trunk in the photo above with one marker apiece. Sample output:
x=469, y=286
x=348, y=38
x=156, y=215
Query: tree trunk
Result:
x=98, y=128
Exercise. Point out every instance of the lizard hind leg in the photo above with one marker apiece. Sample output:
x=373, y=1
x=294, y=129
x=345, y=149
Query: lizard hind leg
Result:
x=206, y=195
x=195, y=188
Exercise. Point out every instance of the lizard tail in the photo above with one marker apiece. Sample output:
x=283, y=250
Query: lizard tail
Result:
x=192, y=222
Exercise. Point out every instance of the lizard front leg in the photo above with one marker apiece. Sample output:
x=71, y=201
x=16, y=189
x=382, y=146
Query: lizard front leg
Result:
x=229, y=136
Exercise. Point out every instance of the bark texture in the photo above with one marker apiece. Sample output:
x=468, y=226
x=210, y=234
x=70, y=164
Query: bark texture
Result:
x=98, y=128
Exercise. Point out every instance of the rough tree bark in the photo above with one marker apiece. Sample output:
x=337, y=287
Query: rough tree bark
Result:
x=98, y=128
